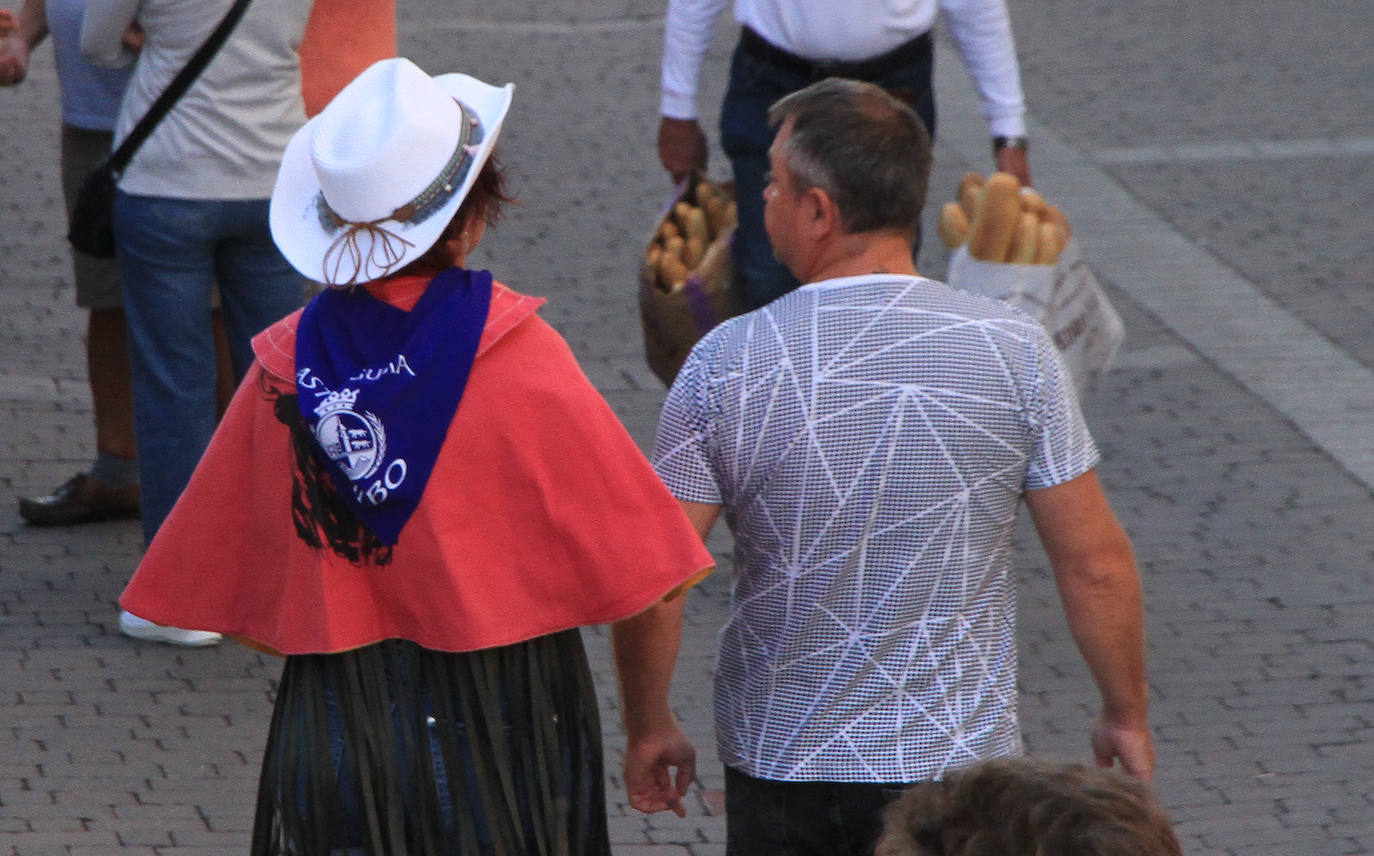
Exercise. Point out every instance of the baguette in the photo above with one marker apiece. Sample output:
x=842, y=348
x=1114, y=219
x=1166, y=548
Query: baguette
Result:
x=693, y=251
x=970, y=188
x=694, y=224
x=1032, y=201
x=1051, y=243
x=1026, y=240
x=1054, y=215
x=953, y=225
x=994, y=221
x=680, y=212
x=672, y=273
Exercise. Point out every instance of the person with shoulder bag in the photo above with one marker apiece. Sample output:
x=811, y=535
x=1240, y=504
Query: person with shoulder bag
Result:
x=190, y=214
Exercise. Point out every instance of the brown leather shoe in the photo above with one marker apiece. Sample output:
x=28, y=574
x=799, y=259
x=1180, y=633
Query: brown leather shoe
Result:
x=82, y=499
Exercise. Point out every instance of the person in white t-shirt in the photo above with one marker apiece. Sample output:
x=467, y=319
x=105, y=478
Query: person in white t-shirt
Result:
x=191, y=215
x=785, y=45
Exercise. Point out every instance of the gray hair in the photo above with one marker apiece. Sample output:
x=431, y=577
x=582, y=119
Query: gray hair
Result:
x=866, y=149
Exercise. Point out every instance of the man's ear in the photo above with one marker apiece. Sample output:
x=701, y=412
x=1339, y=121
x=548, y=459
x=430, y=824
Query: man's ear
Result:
x=821, y=214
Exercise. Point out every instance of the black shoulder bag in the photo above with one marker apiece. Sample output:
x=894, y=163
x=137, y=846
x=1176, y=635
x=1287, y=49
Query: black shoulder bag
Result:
x=90, y=228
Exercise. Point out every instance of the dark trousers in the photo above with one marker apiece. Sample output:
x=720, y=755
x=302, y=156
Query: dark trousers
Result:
x=770, y=818
x=745, y=137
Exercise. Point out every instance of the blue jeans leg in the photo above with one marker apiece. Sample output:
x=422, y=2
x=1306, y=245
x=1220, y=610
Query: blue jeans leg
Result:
x=745, y=136
x=803, y=818
x=257, y=285
x=172, y=252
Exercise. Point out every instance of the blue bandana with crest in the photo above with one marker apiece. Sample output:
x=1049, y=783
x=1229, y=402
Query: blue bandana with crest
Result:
x=378, y=387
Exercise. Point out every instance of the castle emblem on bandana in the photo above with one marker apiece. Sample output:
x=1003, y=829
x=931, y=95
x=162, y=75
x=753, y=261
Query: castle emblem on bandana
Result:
x=355, y=442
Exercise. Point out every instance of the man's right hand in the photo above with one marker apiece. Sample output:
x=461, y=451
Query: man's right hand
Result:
x=681, y=147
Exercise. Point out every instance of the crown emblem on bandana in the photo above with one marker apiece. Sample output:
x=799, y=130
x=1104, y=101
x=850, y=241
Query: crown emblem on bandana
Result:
x=354, y=441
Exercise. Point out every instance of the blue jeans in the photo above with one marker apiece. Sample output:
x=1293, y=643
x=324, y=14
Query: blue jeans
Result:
x=803, y=818
x=172, y=253
x=753, y=87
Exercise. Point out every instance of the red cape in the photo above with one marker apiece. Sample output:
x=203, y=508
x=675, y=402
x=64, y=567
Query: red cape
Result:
x=541, y=514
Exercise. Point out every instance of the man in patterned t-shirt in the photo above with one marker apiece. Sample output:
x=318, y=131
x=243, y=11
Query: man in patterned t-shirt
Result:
x=870, y=437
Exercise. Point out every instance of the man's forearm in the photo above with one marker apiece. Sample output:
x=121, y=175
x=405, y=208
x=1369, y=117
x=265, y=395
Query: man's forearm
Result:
x=1103, y=605
x=33, y=22
x=1095, y=572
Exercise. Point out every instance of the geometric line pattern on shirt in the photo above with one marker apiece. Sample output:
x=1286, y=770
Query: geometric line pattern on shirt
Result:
x=871, y=439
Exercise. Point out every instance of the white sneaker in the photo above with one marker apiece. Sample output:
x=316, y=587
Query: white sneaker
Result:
x=142, y=628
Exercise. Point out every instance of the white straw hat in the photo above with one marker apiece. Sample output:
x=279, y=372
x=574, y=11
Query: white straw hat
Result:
x=368, y=185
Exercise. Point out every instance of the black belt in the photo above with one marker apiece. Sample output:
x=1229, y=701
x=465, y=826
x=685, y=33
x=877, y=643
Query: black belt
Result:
x=866, y=69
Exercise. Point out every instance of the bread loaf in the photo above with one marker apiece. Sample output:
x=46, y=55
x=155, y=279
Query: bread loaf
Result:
x=994, y=220
x=1054, y=215
x=1026, y=239
x=1051, y=243
x=1032, y=201
x=694, y=224
x=693, y=251
x=672, y=272
x=953, y=225
x=970, y=188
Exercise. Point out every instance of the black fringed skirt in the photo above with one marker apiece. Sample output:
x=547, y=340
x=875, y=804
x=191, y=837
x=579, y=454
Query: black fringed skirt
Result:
x=397, y=750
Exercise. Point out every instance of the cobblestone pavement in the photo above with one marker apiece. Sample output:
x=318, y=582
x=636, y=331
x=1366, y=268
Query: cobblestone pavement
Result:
x=1217, y=177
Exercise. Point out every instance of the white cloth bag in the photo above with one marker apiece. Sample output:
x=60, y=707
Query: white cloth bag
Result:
x=1066, y=298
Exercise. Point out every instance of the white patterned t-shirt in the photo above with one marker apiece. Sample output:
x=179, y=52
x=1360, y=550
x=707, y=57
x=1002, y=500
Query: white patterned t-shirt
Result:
x=871, y=439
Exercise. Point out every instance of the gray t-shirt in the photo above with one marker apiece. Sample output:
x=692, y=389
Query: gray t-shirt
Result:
x=225, y=137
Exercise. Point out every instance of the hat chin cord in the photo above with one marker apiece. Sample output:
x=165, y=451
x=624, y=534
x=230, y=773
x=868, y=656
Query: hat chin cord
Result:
x=345, y=253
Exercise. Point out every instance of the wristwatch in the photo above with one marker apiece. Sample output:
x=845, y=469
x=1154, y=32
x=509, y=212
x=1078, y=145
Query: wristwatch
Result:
x=999, y=143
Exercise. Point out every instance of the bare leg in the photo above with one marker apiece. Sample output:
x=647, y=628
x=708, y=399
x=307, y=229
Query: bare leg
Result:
x=107, y=363
x=110, y=489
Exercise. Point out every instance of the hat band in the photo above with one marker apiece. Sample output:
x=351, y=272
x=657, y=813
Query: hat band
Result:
x=345, y=253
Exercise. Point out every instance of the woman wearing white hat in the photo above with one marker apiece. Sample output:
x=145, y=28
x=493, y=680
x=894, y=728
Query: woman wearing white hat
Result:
x=418, y=497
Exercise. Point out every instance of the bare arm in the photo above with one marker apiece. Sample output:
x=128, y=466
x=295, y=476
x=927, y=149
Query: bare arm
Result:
x=646, y=647
x=1095, y=572
x=19, y=36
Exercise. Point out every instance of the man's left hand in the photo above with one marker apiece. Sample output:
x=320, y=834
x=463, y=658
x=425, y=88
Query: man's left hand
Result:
x=1130, y=745
x=649, y=779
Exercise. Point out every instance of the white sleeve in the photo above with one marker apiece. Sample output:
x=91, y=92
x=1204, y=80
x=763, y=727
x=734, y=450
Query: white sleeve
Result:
x=686, y=36
x=102, y=31
x=981, y=30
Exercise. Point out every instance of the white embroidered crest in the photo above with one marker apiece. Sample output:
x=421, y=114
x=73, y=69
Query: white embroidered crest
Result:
x=355, y=441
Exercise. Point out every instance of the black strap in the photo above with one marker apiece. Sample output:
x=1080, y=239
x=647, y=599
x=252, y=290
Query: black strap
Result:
x=121, y=156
